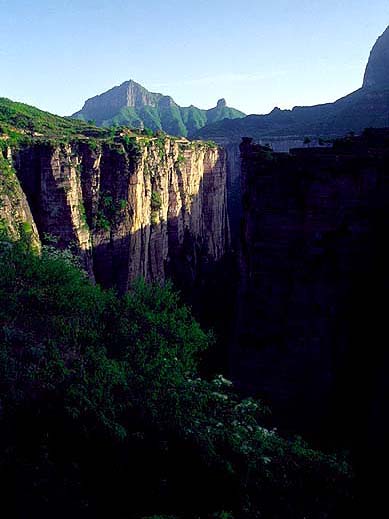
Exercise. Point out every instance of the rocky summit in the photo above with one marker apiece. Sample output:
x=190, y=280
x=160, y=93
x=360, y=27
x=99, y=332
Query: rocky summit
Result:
x=130, y=104
x=377, y=70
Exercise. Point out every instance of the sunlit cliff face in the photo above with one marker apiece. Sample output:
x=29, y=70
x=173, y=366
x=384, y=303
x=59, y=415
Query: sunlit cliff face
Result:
x=127, y=210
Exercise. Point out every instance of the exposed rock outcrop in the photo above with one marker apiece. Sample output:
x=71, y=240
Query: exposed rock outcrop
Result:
x=15, y=215
x=234, y=192
x=377, y=70
x=129, y=207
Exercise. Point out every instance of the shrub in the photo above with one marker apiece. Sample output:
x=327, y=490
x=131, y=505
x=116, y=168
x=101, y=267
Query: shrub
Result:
x=156, y=201
x=103, y=412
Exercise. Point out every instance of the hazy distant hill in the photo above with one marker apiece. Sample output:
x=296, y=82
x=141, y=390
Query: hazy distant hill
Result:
x=132, y=105
x=366, y=107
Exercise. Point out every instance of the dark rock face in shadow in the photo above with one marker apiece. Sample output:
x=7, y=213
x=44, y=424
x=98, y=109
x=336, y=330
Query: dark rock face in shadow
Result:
x=234, y=192
x=312, y=329
x=376, y=74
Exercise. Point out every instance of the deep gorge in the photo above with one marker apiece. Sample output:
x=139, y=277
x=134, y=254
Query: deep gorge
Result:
x=271, y=257
x=193, y=317
x=285, y=259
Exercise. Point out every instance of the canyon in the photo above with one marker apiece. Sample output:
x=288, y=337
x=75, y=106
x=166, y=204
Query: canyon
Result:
x=268, y=247
x=282, y=253
x=193, y=317
x=281, y=248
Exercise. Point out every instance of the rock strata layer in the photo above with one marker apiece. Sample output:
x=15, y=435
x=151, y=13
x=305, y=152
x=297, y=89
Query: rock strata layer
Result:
x=128, y=208
x=16, y=218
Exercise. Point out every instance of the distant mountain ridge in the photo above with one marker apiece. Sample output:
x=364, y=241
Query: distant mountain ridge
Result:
x=131, y=104
x=366, y=107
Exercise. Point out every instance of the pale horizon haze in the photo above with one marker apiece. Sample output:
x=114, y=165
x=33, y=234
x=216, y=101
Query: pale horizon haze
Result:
x=255, y=54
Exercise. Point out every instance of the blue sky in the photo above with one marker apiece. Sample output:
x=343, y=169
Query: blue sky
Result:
x=257, y=54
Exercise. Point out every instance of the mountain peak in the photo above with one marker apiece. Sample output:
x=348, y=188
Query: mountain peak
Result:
x=377, y=70
x=133, y=105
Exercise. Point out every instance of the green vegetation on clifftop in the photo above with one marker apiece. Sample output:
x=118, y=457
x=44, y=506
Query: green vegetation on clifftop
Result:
x=22, y=124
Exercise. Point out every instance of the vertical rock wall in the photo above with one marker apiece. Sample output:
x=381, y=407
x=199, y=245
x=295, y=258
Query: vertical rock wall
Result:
x=312, y=265
x=129, y=208
x=15, y=214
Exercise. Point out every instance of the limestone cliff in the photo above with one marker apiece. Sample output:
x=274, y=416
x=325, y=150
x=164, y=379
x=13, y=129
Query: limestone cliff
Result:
x=234, y=194
x=15, y=215
x=129, y=206
x=312, y=330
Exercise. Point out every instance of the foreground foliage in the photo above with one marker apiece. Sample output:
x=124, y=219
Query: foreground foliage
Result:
x=103, y=413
